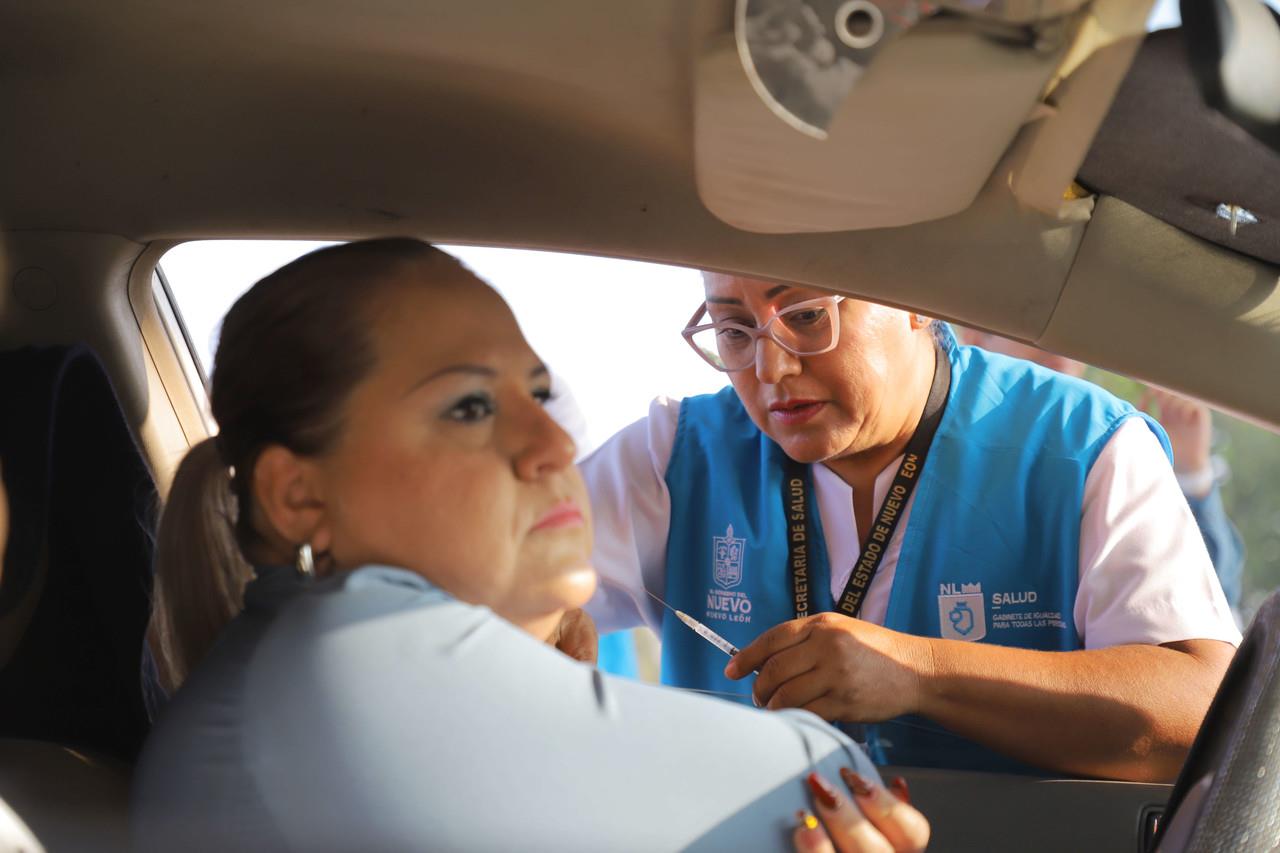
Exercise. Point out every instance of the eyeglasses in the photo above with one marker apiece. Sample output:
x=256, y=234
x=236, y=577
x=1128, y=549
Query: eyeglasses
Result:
x=811, y=327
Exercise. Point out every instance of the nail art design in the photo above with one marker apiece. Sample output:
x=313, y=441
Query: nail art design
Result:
x=806, y=820
x=900, y=790
x=857, y=784
x=823, y=792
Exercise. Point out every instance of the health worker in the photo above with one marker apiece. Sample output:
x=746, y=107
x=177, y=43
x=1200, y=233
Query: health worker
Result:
x=990, y=561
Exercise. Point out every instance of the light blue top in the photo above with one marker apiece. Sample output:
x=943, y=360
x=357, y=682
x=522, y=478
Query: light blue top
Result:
x=373, y=711
x=991, y=553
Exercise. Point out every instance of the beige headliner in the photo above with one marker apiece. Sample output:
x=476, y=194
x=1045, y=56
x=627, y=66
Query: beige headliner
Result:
x=561, y=125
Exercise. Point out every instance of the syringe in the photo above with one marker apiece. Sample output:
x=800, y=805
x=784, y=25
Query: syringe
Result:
x=698, y=628
x=707, y=634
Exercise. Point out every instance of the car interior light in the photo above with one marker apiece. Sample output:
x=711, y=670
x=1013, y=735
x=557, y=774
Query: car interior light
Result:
x=1236, y=215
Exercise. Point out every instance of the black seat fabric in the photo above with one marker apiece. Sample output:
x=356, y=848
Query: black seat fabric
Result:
x=82, y=501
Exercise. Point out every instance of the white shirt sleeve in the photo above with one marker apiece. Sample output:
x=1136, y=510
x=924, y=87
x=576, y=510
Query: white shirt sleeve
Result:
x=631, y=509
x=1145, y=574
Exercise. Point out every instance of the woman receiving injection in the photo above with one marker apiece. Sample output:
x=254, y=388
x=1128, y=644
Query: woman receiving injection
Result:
x=412, y=529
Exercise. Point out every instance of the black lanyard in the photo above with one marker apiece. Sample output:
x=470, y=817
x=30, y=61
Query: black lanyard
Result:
x=795, y=503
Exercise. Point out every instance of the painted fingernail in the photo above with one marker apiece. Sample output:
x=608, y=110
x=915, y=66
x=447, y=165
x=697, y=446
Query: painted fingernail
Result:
x=823, y=792
x=898, y=786
x=860, y=786
x=806, y=820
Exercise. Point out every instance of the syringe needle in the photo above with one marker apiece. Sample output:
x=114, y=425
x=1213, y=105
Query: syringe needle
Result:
x=660, y=601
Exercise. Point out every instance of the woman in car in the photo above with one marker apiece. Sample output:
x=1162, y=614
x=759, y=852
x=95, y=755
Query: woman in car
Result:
x=991, y=561
x=416, y=529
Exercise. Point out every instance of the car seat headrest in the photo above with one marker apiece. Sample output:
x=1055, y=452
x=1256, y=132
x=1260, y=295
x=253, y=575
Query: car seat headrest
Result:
x=1167, y=151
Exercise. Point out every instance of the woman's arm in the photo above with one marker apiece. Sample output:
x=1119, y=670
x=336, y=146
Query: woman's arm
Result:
x=436, y=711
x=1126, y=712
x=373, y=711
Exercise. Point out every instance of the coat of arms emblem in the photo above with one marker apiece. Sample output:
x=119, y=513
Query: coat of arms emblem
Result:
x=963, y=616
x=728, y=559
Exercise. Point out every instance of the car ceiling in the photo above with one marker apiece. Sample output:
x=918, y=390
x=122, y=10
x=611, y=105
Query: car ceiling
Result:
x=563, y=124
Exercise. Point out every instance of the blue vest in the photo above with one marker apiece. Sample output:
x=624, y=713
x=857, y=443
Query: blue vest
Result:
x=990, y=554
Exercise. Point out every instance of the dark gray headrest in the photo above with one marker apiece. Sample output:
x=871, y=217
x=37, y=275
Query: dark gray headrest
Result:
x=1164, y=150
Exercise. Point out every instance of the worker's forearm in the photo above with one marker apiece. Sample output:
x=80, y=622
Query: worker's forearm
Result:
x=1128, y=712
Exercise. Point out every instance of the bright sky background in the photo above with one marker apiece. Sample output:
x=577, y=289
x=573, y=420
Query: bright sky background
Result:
x=1164, y=14
x=609, y=328
x=1167, y=14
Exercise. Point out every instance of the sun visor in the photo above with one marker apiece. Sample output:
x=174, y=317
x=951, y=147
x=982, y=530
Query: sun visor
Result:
x=918, y=134
x=1165, y=151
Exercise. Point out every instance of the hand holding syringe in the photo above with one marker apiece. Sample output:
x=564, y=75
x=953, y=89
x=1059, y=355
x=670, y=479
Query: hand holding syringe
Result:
x=856, y=731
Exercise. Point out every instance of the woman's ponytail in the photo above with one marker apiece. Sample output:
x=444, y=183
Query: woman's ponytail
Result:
x=200, y=573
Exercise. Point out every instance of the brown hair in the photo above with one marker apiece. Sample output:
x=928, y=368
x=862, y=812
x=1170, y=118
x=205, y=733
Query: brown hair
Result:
x=291, y=351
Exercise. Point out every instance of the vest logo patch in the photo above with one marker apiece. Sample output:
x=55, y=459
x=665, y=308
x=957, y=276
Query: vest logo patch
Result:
x=728, y=553
x=962, y=613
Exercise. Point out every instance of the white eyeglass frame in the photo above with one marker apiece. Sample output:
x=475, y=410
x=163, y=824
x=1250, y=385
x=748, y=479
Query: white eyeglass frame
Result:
x=692, y=328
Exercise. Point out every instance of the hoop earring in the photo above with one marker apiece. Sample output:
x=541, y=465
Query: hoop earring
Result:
x=305, y=561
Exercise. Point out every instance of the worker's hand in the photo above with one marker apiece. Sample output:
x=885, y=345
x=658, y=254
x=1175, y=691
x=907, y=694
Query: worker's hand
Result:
x=874, y=821
x=1188, y=423
x=838, y=667
x=577, y=637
